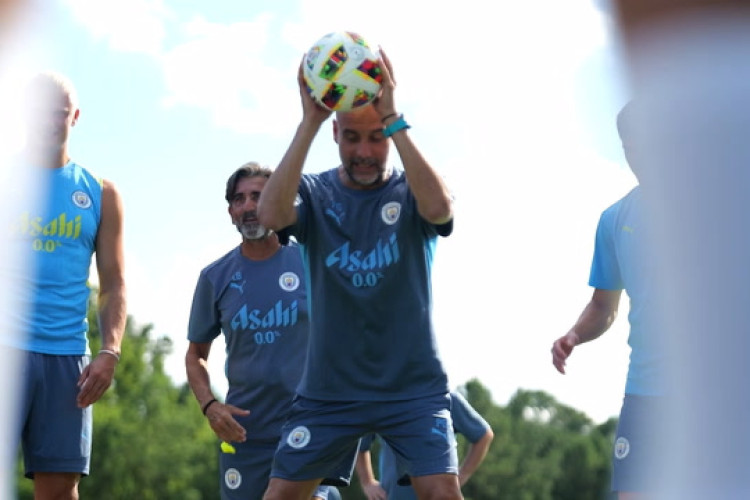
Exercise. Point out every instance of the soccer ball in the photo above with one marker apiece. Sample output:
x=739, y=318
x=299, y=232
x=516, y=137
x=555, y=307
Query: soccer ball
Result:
x=341, y=72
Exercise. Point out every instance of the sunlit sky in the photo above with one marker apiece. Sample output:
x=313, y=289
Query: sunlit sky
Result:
x=513, y=102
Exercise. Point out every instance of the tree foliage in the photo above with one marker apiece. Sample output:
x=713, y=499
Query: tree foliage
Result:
x=543, y=450
x=150, y=440
x=152, y=443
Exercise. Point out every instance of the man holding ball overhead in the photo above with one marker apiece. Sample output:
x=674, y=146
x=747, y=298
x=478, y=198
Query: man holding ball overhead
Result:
x=368, y=234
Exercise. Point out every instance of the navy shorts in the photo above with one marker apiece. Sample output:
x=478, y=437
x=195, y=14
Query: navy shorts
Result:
x=245, y=467
x=637, y=466
x=321, y=438
x=56, y=435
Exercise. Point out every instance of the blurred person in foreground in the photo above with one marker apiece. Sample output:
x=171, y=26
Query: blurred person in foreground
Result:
x=368, y=233
x=71, y=217
x=256, y=296
x=623, y=260
x=394, y=484
x=10, y=11
x=688, y=66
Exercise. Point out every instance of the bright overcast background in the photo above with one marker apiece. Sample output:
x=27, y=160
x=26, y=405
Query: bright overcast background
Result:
x=513, y=102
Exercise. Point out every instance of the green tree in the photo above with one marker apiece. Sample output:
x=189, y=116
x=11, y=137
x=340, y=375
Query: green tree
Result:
x=543, y=450
x=554, y=452
x=150, y=440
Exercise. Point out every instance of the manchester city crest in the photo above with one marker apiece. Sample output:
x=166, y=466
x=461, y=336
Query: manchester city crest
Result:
x=289, y=281
x=81, y=199
x=391, y=212
x=232, y=478
x=299, y=437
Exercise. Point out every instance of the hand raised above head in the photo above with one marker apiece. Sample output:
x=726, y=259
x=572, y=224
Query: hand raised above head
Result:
x=385, y=103
x=311, y=110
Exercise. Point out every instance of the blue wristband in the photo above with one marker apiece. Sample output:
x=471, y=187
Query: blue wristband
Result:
x=394, y=127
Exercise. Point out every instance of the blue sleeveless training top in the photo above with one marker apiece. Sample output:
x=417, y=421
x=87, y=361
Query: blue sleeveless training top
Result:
x=57, y=238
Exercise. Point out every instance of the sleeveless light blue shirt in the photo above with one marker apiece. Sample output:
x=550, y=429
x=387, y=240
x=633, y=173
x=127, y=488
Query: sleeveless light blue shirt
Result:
x=58, y=239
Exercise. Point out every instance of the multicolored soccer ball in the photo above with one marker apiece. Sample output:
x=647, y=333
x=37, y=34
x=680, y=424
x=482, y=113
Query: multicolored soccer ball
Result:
x=341, y=72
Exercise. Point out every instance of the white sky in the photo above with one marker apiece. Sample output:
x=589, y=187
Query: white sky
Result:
x=513, y=102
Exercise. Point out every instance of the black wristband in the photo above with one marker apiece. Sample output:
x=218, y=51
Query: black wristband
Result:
x=394, y=127
x=388, y=116
x=205, y=408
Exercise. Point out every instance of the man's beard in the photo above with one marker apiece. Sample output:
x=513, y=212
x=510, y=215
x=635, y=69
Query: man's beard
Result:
x=252, y=230
x=370, y=180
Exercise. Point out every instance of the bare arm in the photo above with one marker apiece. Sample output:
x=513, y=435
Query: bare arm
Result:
x=370, y=486
x=220, y=416
x=596, y=318
x=196, y=368
x=434, y=200
x=112, y=307
x=475, y=456
x=276, y=207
